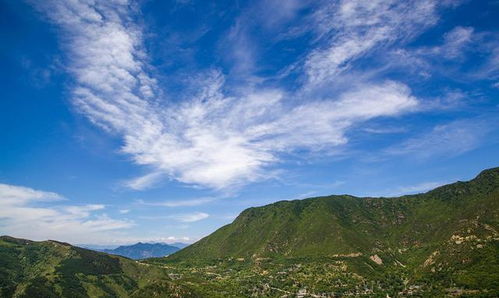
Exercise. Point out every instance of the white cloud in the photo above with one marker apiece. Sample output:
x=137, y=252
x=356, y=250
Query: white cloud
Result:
x=218, y=141
x=384, y=130
x=189, y=217
x=489, y=45
x=144, y=182
x=82, y=211
x=23, y=208
x=414, y=189
x=447, y=140
x=445, y=58
x=211, y=140
x=276, y=12
x=455, y=41
x=19, y=195
x=181, y=203
x=305, y=195
x=353, y=28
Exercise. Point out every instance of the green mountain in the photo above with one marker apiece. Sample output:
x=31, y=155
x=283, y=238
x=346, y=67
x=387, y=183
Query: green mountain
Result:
x=344, y=224
x=55, y=269
x=441, y=243
x=447, y=235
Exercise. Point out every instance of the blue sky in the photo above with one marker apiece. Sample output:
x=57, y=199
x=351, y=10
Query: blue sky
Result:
x=127, y=121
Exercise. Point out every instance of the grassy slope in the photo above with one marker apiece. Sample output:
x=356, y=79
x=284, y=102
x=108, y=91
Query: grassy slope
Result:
x=345, y=224
x=448, y=234
x=54, y=269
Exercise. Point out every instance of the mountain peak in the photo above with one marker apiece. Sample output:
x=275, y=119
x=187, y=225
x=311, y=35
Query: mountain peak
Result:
x=345, y=224
x=489, y=173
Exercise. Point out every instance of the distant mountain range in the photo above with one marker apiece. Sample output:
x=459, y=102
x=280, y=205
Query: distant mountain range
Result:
x=441, y=243
x=144, y=250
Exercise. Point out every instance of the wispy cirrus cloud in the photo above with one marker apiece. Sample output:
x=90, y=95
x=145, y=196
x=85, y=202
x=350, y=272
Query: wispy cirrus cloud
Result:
x=414, y=189
x=189, y=217
x=448, y=140
x=424, y=59
x=22, y=208
x=450, y=57
x=179, y=217
x=144, y=182
x=355, y=28
x=455, y=42
x=213, y=139
x=181, y=203
x=219, y=141
x=18, y=195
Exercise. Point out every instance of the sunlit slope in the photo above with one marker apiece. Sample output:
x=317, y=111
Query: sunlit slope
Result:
x=331, y=225
x=449, y=232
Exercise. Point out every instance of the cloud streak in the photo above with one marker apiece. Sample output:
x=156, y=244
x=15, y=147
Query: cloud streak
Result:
x=447, y=140
x=189, y=217
x=181, y=203
x=414, y=189
x=354, y=28
x=22, y=208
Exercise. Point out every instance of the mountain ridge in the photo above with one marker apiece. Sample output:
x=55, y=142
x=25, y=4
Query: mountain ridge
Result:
x=388, y=218
x=445, y=238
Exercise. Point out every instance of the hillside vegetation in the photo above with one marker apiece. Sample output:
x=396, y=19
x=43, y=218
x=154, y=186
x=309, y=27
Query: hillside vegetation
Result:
x=55, y=269
x=441, y=243
x=446, y=238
